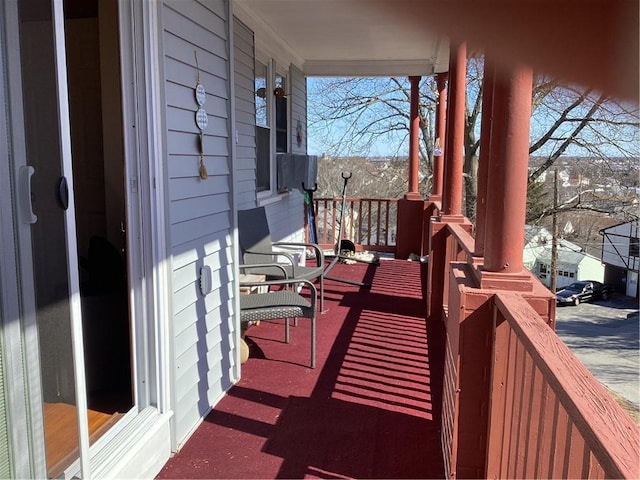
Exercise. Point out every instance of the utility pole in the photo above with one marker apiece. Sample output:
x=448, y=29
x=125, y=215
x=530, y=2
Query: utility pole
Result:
x=554, y=240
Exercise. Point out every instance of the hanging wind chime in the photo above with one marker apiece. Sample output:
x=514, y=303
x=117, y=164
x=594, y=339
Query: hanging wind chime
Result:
x=202, y=119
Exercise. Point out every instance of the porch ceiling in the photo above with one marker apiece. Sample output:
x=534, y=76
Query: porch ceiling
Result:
x=411, y=37
x=351, y=37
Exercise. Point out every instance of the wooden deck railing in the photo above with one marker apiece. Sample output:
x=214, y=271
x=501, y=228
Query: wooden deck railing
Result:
x=370, y=223
x=516, y=402
x=549, y=417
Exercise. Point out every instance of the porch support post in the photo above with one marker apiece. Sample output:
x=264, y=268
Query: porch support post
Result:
x=414, y=138
x=485, y=153
x=507, y=184
x=410, y=228
x=454, y=163
x=438, y=151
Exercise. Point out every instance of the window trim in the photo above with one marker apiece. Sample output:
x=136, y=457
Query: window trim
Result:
x=273, y=70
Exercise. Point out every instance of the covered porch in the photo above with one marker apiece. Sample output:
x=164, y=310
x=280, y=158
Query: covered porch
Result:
x=370, y=409
x=399, y=394
x=441, y=370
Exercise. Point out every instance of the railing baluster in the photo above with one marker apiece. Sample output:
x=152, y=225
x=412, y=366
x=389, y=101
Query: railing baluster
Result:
x=367, y=222
x=360, y=221
x=386, y=222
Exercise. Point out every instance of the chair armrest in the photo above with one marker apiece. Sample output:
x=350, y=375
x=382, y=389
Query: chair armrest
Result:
x=294, y=282
x=314, y=246
x=273, y=255
x=259, y=265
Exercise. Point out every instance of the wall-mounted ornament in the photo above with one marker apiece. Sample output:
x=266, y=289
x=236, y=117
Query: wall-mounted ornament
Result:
x=201, y=95
x=202, y=119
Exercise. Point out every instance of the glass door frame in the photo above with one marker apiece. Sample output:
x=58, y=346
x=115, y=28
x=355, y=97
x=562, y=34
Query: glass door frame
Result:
x=72, y=247
x=21, y=333
x=148, y=250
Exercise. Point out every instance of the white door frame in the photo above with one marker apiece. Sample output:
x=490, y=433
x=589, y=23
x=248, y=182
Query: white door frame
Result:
x=17, y=310
x=148, y=256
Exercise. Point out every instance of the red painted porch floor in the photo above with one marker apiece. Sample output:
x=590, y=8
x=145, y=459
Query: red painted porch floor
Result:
x=366, y=411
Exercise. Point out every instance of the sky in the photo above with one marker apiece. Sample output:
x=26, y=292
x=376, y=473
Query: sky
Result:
x=628, y=138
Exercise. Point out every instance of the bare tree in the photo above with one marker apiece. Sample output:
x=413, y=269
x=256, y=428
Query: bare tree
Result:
x=353, y=115
x=376, y=179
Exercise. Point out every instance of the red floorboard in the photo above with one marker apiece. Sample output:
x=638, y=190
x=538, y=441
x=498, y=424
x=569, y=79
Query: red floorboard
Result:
x=366, y=411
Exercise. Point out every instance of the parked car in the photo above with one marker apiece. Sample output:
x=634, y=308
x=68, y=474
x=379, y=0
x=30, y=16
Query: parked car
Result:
x=583, y=291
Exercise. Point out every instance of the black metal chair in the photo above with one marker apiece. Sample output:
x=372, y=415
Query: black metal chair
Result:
x=280, y=304
x=257, y=247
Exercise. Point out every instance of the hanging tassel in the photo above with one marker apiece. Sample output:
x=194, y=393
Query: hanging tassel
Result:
x=203, y=169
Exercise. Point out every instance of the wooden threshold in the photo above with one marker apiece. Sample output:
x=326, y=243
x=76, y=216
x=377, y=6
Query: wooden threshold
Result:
x=61, y=433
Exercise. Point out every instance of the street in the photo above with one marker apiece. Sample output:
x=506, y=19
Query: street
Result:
x=606, y=341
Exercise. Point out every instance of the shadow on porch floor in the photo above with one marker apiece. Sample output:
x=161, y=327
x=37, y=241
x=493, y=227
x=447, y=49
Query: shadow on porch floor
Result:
x=366, y=411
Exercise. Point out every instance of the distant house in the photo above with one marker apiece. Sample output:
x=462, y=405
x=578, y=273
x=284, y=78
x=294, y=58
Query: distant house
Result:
x=572, y=263
x=620, y=256
x=571, y=266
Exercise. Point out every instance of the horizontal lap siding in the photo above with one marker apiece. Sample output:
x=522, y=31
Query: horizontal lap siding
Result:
x=199, y=210
x=245, y=157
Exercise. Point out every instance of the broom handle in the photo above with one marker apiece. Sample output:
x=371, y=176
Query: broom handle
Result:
x=344, y=200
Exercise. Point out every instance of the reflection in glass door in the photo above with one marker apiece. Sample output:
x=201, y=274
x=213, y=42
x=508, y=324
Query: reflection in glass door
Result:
x=78, y=240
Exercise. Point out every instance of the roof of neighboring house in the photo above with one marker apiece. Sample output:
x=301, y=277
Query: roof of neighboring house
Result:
x=636, y=222
x=566, y=257
x=531, y=231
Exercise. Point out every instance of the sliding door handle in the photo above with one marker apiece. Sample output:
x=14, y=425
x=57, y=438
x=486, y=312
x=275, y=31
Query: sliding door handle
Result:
x=63, y=193
x=24, y=194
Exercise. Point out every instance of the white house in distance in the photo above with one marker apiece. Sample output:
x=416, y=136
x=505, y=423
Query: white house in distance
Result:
x=621, y=256
x=572, y=263
x=571, y=266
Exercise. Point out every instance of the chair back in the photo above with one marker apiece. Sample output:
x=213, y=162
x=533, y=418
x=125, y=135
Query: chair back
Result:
x=254, y=235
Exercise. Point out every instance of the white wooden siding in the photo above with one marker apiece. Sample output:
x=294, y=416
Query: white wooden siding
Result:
x=200, y=210
x=590, y=268
x=615, y=246
x=245, y=159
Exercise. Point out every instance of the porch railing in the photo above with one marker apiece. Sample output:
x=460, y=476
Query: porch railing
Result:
x=370, y=223
x=549, y=417
x=516, y=402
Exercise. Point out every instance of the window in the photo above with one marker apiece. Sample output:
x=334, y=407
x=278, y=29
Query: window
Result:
x=543, y=268
x=263, y=132
x=271, y=111
x=634, y=247
x=281, y=115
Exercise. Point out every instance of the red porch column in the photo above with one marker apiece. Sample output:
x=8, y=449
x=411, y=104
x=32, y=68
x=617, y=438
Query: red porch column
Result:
x=414, y=138
x=485, y=154
x=454, y=164
x=507, y=184
x=411, y=208
x=441, y=125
